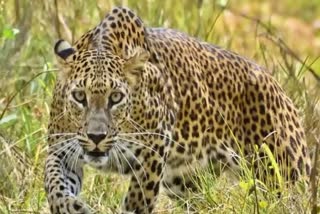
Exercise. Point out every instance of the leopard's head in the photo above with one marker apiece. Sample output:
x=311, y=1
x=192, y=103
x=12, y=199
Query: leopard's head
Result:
x=97, y=95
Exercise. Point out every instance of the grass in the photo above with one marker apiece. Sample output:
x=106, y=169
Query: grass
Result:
x=28, y=30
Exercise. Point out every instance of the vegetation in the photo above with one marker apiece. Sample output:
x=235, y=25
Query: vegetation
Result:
x=284, y=37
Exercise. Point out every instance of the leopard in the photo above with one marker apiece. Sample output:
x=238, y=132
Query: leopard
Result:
x=157, y=105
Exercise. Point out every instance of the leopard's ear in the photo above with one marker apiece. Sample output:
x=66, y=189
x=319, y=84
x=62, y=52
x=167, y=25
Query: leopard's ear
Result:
x=63, y=49
x=134, y=65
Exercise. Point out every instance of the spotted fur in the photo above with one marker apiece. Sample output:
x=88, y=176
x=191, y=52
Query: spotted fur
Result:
x=157, y=104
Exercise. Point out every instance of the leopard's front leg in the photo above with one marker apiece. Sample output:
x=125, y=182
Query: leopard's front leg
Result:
x=145, y=183
x=63, y=183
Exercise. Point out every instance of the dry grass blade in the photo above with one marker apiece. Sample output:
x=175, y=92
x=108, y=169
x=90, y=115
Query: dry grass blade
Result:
x=314, y=181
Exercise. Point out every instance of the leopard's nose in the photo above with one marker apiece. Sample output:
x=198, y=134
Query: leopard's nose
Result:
x=96, y=138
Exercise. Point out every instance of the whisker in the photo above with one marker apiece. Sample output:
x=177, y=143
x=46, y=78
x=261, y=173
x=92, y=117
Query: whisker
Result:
x=64, y=147
x=135, y=158
x=149, y=133
x=73, y=119
x=77, y=153
x=135, y=124
x=140, y=144
x=61, y=142
x=133, y=172
x=59, y=116
x=69, y=154
x=117, y=161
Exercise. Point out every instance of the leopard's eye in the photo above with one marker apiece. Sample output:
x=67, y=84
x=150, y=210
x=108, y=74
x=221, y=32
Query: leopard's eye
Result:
x=115, y=98
x=80, y=97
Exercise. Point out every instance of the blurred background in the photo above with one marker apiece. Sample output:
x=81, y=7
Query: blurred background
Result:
x=283, y=36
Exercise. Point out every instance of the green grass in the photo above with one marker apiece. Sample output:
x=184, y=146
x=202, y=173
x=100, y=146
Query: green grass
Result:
x=28, y=30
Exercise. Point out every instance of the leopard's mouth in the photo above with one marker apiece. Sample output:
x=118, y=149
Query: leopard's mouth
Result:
x=97, y=153
x=96, y=150
x=96, y=158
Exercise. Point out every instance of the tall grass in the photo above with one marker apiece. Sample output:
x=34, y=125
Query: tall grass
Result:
x=28, y=30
